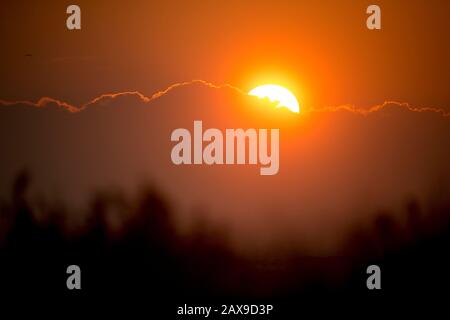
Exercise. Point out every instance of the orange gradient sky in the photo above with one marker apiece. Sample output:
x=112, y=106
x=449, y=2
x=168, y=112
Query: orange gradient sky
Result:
x=322, y=51
x=336, y=168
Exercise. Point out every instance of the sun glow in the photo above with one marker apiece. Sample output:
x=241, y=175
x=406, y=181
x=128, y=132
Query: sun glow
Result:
x=277, y=93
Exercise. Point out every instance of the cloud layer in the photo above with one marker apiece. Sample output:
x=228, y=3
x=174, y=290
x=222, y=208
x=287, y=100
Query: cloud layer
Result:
x=45, y=101
x=338, y=165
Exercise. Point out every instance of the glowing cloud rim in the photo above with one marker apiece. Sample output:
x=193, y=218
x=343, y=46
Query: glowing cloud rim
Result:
x=45, y=101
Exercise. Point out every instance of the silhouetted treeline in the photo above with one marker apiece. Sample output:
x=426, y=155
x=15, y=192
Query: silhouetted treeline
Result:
x=129, y=248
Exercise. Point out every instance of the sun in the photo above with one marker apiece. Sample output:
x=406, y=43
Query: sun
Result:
x=274, y=92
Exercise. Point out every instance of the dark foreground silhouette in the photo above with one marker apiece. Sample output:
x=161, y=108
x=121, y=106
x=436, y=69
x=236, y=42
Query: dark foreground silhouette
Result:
x=130, y=251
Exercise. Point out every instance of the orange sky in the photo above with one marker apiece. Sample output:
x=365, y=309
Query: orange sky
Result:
x=336, y=168
x=321, y=50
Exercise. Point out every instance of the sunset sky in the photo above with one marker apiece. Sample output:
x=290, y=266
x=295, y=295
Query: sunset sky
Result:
x=321, y=50
x=332, y=164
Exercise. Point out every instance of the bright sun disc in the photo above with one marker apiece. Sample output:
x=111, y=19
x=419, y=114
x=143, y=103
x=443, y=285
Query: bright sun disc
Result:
x=277, y=93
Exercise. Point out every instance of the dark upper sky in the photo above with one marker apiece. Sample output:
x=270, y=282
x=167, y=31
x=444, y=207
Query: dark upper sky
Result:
x=321, y=50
